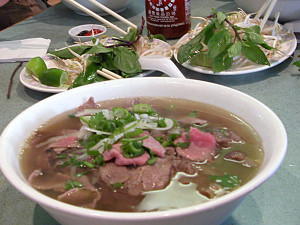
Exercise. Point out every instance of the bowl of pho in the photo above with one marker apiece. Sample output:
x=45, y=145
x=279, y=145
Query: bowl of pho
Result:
x=131, y=151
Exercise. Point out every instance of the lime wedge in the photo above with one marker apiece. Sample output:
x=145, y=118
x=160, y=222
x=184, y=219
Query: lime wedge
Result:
x=53, y=77
x=36, y=66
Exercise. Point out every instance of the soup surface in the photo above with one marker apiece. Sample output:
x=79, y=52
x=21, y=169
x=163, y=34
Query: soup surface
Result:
x=142, y=154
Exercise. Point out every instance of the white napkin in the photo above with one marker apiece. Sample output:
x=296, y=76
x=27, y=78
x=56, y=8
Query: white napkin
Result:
x=23, y=50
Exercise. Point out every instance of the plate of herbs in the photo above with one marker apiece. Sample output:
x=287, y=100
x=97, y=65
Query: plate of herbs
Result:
x=83, y=61
x=234, y=44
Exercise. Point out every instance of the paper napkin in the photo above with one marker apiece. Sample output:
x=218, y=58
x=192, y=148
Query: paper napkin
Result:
x=23, y=50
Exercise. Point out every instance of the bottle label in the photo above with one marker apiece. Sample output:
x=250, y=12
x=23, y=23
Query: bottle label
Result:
x=167, y=13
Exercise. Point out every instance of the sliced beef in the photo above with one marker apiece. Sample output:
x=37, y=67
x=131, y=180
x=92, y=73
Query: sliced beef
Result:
x=65, y=142
x=191, y=120
x=46, y=160
x=236, y=156
x=182, y=165
x=90, y=104
x=112, y=173
x=202, y=145
x=82, y=197
x=225, y=138
x=117, y=154
x=149, y=177
x=155, y=146
x=47, y=181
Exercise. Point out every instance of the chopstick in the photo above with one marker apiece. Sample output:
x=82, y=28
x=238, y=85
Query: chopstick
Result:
x=114, y=14
x=96, y=16
x=267, y=15
x=109, y=74
x=270, y=4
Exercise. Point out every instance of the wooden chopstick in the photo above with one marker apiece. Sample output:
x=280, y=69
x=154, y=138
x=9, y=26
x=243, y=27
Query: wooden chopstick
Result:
x=109, y=74
x=96, y=16
x=114, y=14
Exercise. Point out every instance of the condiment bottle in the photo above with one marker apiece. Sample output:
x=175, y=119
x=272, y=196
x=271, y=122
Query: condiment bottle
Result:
x=170, y=18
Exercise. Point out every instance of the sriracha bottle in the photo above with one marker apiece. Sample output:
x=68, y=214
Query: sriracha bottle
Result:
x=170, y=18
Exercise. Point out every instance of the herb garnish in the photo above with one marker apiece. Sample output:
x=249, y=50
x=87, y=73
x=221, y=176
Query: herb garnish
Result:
x=222, y=45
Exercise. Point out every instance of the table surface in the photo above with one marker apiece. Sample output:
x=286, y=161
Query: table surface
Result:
x=276, y=202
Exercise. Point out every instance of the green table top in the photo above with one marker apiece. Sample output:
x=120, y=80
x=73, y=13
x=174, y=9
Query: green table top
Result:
x=276, y=202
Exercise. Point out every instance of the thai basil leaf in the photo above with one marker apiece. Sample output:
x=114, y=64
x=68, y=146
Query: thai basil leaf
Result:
x=99, y=49
x=160, y=37
x=191, y=48
x=255, y=38
x=222, y=61
x=297, y=63
x=218, y=43
x=96, y=59
x=66, y=54
x=266, y=46
x=235, y=49
x=254, y=53
x=221, y=17
x=88, y=77
x=131, y=35
x=254, y=28
x=126, y=60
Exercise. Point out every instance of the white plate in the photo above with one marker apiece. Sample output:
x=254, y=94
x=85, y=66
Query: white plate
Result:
x=28, y=81
x=287, y=48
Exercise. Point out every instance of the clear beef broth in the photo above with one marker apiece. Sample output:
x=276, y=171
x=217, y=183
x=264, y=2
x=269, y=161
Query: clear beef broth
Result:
x=117, y=199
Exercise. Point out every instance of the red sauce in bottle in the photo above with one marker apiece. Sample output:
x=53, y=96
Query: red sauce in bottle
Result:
x=170, y=18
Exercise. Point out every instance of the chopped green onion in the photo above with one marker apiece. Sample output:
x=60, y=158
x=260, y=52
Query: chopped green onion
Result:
x=161, y=123
x=88, y=164
x=142, y=108
x=120, y=112
x=135, y=139
x=132, y=149
x=183, y=144
x=73, y=184
x=81, y=174
x=152, y=156
x=134, y=133
x=63, y=156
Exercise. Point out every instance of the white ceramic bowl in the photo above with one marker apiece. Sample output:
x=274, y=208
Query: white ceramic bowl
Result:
x=213, y=212
x=115, y=5
x=289, y=9
x=74, y=31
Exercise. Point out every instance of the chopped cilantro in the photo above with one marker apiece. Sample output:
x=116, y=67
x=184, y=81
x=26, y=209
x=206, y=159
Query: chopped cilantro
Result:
x=193, y=114
x=117, y=185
